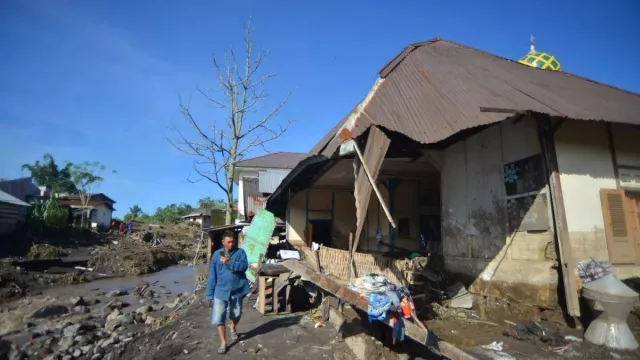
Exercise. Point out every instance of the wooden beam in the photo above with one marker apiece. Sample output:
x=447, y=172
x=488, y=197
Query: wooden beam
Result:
x=500, y=110
x=568, y=264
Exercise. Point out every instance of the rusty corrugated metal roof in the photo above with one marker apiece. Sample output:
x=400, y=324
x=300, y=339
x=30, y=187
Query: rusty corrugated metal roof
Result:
x=279, y=160
x=435, y=89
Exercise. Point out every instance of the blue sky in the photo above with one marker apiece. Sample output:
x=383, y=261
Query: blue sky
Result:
x=100, y=80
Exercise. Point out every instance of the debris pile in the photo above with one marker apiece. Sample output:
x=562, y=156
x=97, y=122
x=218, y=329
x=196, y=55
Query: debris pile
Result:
x=12, y=283
x=43, y=251
x=136, y=258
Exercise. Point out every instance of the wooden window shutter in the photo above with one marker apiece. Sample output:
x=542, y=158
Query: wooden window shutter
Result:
x=619, y=227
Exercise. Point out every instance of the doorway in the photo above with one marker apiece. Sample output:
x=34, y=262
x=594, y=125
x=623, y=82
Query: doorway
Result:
x=322, y=231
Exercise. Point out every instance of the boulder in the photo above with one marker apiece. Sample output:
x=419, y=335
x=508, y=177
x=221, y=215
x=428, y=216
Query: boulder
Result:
x=81, y=340
x=81, y=309
x=77, y=301
x=144, y=309
x=73, y=330
x=65, y=343
x=150, y=320
x=49, y=311
x=114, y=314
x=77, y=353
x=116, y=304
x=116, y=293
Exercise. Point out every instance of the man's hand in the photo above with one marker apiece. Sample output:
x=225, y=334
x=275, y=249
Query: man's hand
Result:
x=210, y=303
x=224, y=259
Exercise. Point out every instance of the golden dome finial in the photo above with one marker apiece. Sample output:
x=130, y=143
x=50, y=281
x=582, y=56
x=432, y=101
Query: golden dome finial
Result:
x=532, y=48
x=539, y=60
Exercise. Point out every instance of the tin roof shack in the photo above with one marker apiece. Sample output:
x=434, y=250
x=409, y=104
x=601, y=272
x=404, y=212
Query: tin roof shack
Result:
x=12, y=212
x=509, y=161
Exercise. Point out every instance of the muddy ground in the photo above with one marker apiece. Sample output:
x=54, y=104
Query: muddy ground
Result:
x=288, y=337
x=470, y=336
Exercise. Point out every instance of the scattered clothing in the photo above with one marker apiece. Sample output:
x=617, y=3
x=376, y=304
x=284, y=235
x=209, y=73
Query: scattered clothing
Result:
x=369, y=284
x=398, y=329
x=590, y=270
x=379, y=304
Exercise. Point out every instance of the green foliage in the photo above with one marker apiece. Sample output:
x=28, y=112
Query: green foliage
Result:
x=48, y=214
x=86, y=176
x=134, y=212
x=47, y=173
x=209, y=203
x=172, y=213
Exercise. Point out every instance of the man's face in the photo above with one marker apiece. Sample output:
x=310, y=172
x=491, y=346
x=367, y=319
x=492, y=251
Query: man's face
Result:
x=228, y=242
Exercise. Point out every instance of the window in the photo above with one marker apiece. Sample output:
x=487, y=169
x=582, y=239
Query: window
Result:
x=620, y=215
x=404, y=227
x=525, y=187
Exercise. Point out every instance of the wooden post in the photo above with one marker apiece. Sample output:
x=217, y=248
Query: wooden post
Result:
x=262, y=285
x=373, y=184
x=209, y=248
x=567, y=266
x=317, y=254
x=352, y=268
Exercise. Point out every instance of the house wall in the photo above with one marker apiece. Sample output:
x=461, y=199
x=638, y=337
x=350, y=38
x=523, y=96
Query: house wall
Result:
x=10, y=215
x=101, y=216
x=477, y=244
x=586, y=166
x=241, y=174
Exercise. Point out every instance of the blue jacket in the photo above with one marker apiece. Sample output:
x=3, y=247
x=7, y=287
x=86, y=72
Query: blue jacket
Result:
x=230, y=280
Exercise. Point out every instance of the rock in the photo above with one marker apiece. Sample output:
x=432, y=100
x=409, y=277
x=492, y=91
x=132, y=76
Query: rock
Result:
x=65, y=343
x=125, y=319
x=85, y=349
x=72, y=330
x=149, y=320
x=112, y=325
x=44, y=352
x=157, y=307
x=116, y=304
x=116, y=293
x=67, y=357
x=16, y=354
x=98, y=350
x=107, y=343
x=48, y=311
x=77, y=353
x=144, y=309
x=77, y=301
x=81, y=309
x=81, y=340
x=149, y=294
x=114, y=314
x=96, y=356
x=142, y=301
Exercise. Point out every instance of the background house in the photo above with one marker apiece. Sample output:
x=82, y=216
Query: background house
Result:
x=12, y=212
x=23, y=189
x=206, y=218
x=258, y=177
x=99, y=207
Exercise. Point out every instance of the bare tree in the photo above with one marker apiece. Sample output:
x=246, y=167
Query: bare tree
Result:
x=218, y=145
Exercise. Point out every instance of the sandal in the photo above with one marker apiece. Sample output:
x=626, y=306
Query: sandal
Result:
x=222, y=350
x=234, y=336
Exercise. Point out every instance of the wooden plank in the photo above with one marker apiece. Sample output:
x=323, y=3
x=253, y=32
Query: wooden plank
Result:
x=567, y=262
x=262, y=284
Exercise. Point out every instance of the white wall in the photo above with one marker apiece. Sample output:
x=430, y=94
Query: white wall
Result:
x=586, y=166
x=101, y=216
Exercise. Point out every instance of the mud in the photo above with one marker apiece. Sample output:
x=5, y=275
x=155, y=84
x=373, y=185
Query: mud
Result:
x=288, y=337
x=470, y=336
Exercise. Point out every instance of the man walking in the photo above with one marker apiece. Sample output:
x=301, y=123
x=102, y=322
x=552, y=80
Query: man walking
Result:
x=227, y=285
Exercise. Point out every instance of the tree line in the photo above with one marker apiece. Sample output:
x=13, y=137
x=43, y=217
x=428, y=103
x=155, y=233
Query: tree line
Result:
x=173, y=213
x=81, y=179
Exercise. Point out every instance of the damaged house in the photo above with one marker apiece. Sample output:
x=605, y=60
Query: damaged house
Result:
x=509, y=173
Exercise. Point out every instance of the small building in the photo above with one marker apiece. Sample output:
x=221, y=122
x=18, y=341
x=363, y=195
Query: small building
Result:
x=99, y=208
x=258, y=177
x=206, y=218
x=23, y=189
x=12, y=212
x=507, y=172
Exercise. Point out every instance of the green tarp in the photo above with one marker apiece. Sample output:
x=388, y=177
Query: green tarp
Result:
x=257, y=238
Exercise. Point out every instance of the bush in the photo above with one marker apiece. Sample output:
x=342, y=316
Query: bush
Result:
x=43, y=251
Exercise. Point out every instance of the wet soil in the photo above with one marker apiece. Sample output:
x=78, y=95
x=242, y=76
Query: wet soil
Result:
x=192, y=336
x=470, y=337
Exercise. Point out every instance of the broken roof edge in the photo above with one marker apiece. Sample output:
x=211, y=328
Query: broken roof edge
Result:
x=311, y=161
x=392, y=64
